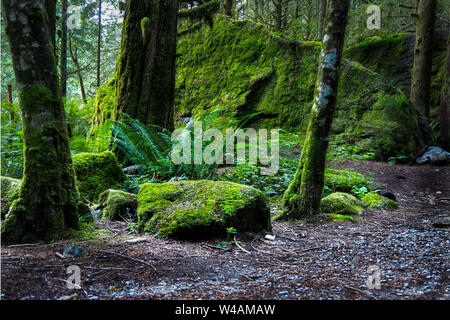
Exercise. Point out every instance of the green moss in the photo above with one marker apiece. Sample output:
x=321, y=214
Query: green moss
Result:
x=199, y=209
x=373, y=200
x=345, y=180
x=340, y=218
x=97, y=172
x=117, y=204
x=145, y=29
x=341, y=203
x=10, y=189
x=104, y=104
x=242, y=69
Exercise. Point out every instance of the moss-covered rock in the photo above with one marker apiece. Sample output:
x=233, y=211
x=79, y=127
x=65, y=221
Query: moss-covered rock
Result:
x=342, y=204
x=373, y=200
x=345, y=180
x=243, y=70
x=117, y=204
x=97, y=172
x=10, y=188
x=266, y=82
x=201, y=209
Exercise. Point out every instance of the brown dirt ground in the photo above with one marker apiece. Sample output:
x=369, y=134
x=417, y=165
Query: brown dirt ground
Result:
x=305, y=261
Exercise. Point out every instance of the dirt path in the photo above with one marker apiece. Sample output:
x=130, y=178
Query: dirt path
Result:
x=320, y=261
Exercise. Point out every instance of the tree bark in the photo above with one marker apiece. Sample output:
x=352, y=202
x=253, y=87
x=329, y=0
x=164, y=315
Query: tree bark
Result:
x=48, y=196
x=145, y=70
x=444, y=134
x=302, y=199
x=228, y=7
x=322, y=13
x=9, y=93
x=423, y=57
x=64, y=49
x=99, y=42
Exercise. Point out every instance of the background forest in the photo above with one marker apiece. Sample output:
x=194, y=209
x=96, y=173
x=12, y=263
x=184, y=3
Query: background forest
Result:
x=358, y=91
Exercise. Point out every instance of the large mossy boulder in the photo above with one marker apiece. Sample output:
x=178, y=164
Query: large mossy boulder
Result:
x=342, y=204
x=201, y=209
x=97, y=172
x=373, y=200
x=117, y=205
x=10, y=189
x=345, y=180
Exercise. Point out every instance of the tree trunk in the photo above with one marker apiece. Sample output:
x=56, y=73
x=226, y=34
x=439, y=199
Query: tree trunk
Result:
x=9, y=93
x=444, y=135
x=64, y=49
x=48, y=197
x=322, y=13
x=145, y=70
x=50, y=7
x=74, y=57
x=228, y=7
x=302, y=199
x=423, y=57
x=99, y=42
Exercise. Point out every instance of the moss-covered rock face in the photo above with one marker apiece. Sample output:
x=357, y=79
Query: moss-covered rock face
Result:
x=117, y=204
x=9, y=192
x=375, y=201
x=97, y=172
x=201, y=209
x=243, y=70
x=345, y=180
x=341, y=204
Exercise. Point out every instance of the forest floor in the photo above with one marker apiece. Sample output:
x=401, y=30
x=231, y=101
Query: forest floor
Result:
x=305, y=261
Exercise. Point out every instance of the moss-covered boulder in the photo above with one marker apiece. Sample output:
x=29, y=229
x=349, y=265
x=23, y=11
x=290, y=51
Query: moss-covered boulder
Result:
x=201, y=209
x=267, y=82
x=373, y=200
x=341, y=203
x=97, y=172
x=345, y=180
x=10, y=188
x=117, y=204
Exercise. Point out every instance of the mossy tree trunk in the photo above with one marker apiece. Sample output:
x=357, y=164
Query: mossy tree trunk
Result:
x=99, y=42
x=48, y=195
x=322, y=13
x=145, y=70
x=423, y=57
x=64, y=48
x=444, y=134
x=302, y=199
x=228, y=7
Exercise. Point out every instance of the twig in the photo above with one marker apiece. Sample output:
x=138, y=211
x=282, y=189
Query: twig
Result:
x=23, y=245
x=239, y=246
x=362, y=292
x=129, y=258
x=59, y=255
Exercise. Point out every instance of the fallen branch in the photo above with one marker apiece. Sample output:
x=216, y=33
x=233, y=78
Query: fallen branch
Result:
x=361, y=292
x=239, y=246
x=129, y=258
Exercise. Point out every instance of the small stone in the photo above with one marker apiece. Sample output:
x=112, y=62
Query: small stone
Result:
x=74, y=251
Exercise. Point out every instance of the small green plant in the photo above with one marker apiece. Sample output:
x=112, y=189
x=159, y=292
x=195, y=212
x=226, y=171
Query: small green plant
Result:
x=231, y=232
x=133, y=227
x=360, y=191
x=349, y=152
x=397, y=159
